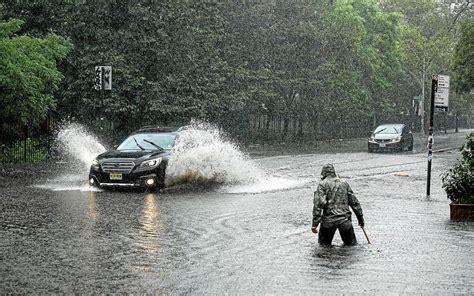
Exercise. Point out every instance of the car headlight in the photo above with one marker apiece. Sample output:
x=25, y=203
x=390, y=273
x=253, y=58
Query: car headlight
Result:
x=397, y=139
x=372, y=139
x=95, y=163
x=151, y=163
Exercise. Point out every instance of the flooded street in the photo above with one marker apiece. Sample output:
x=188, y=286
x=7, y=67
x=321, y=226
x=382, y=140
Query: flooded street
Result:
x=57, y=237
x=174, y=147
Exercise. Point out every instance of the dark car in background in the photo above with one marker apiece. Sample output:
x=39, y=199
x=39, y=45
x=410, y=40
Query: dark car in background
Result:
x=391, y=137
x=140, y=161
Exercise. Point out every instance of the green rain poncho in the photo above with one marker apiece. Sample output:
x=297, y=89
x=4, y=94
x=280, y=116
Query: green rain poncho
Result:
x=333, y=198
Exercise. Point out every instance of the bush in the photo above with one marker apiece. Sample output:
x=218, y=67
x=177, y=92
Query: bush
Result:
x=458, y=182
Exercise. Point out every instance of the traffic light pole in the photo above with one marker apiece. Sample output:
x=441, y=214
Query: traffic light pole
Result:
x=434, y=87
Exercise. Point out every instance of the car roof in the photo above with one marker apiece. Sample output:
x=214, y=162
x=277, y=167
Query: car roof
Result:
x=157, y=129
x=392, y=124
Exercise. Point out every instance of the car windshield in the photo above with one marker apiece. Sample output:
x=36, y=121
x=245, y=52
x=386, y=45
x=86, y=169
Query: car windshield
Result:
x=148, y=141
x=388, y=129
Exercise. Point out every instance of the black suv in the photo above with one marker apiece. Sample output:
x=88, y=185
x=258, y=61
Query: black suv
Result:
x=139, y=161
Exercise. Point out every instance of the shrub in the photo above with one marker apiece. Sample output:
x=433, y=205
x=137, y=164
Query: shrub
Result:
x=458, y=182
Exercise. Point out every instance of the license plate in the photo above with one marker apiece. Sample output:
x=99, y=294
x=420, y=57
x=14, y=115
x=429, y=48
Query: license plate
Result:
x=382, y=145
x=115, y=176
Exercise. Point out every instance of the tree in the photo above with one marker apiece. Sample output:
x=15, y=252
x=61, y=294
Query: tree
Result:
x=463, y=71
x=164, y=55
x=428, y=36
x=463, y=60
x=176, y=59
x=28, y=74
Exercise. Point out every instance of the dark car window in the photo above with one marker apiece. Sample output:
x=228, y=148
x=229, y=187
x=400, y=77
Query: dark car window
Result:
x=388, y=129
x=164, y=140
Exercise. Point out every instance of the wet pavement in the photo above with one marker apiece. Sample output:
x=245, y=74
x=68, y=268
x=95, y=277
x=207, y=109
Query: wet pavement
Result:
x=214, y=241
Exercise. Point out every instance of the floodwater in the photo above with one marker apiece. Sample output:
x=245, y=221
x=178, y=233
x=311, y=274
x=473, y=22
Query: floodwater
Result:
x=57, y=236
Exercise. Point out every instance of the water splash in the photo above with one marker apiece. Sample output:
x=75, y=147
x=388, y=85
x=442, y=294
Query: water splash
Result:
x=54, y=186
x=77, y=143
x=202, y=155
x=267, y=184
x=78, y=148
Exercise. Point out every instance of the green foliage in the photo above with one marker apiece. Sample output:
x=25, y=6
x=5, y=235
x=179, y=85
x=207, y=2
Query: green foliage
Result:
x=176, y=59
x=426, y=41
x=28, y=73
x=458, y=182
x=463, y=61
x=332, y=58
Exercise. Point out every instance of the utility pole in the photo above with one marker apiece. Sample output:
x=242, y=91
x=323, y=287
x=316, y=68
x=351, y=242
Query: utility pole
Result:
x=434, y=88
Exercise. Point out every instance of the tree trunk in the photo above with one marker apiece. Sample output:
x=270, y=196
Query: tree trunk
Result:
x=456, y=128
x=285, y=126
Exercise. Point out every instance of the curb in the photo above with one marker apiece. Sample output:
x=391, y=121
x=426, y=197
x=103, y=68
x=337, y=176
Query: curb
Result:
x=445, y=149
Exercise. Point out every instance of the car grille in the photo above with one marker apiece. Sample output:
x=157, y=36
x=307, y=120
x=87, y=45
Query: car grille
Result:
x=382, y=140
x=118, y=166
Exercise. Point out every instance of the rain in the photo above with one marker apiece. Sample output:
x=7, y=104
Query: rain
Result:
x=178, y=147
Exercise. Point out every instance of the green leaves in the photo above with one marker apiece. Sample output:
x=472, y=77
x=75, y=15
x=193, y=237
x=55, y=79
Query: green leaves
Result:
x=175, y=59
x=7, y=29
x=463, y=61
x=28, y=73
x=458, y=182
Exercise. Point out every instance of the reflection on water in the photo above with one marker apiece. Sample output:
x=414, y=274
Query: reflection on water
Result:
x=150, y=225
x=334, y=260
x=92, y=207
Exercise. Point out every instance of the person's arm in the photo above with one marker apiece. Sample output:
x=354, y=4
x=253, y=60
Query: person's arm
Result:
x=319, y=202
x=355, y=206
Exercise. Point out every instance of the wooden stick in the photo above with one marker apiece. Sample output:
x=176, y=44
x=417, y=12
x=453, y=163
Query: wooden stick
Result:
x=365, y=233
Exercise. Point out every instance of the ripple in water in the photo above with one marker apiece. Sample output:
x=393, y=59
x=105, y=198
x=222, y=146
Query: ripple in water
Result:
x=202, y=155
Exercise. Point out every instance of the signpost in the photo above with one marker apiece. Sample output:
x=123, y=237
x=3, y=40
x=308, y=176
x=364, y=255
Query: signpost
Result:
x=442, y=94
x=439, y=102
x=103, y=78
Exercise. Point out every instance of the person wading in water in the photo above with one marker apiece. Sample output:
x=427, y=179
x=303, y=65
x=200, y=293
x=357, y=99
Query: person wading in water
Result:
x=331, y=210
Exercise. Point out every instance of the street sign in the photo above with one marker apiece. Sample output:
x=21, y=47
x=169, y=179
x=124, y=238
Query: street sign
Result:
x=443, y=81
x=103, y=78
x=441, y=99
x=98, y=78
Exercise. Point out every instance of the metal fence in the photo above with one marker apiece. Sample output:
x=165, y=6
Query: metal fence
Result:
x=26, y=143
x=268, y=129
x=29, y=144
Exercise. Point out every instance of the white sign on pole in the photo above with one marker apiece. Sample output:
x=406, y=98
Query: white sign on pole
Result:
x=443, y=81
x=107, y=77
x=103, y=77
x=98, y=78
x=442, y=94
